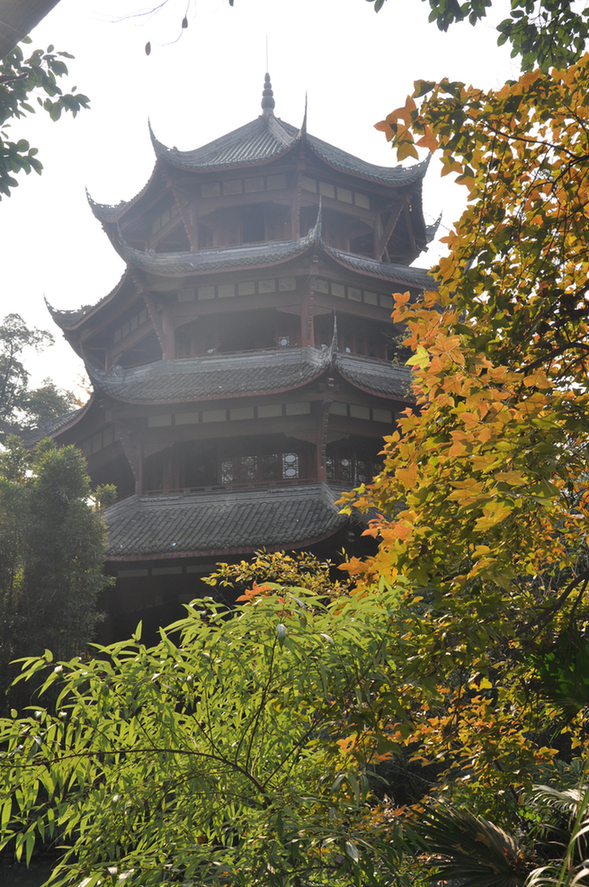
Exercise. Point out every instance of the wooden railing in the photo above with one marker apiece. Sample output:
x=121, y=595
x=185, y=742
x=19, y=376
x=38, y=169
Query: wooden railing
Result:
x=251, y=485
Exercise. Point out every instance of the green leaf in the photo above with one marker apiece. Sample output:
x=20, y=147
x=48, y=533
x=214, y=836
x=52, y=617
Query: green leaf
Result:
x=352, y=851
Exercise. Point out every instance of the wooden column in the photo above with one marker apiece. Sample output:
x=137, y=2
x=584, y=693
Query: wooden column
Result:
x=162, y=324
x=307, y=325
x=168, y=478
x=295, y=218
x=139, y=485
x=169, y=348
x=131, y=451
x=322, y=429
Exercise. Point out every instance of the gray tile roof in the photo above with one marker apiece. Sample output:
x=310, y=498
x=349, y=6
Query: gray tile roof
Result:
x=52, y=427
x=396, y=175
x=222, y=521
x=266, y=138
x=375, y=375
x=403, y=274
x=252, y=255
x=69, y=320
x=261, y=254
x=260, y=140
x=214, y=376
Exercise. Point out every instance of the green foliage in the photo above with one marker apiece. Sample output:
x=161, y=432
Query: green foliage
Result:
x=104, y=496
x=551, y=850
x=571, y=866
x=48, y=402
x=471, y=849
x=51, y=555
x=21, y=81
x=19, y=406
x=222, y=755
x=292, y=570
x=546, y=33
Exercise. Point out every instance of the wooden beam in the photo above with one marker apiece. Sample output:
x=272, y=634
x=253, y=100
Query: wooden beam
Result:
x=386, y=235
x=156, y=321
x=183, y=205
x=410, y=231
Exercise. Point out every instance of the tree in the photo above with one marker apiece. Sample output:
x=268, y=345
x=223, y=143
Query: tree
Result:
x=232, y=753
x=19, y=406
x=51, y=555
x=48, y=402
x=484, y=493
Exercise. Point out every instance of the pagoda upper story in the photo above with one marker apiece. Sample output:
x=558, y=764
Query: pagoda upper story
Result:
x=267, y=196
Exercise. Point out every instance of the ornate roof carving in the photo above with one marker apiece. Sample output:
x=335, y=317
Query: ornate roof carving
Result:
x=69, y=320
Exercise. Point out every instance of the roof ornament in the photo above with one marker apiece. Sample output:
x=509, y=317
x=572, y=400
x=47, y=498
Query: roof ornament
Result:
x=432, y=230
x=315, y=232
x=268, y=103
x=334, y=343
x=302, y=133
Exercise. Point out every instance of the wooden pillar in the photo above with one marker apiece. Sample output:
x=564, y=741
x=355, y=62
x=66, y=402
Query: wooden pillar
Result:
x=295, y=218
x=322, y=429
x=168, y=474
x=169, y=334
x=139, y=485
x=307, y=324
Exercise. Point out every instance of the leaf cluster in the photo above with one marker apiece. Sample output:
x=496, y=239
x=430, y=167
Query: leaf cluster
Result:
x=542, y=33
x=22, y=81
x=517, y=260
x=52, y=547
x=221, y=755
x=21, y=407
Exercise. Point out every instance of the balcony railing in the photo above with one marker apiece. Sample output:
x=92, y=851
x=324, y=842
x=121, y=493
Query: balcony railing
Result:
x=249, y=485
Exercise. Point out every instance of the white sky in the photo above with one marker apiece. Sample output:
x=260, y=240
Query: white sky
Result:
x=355, y=65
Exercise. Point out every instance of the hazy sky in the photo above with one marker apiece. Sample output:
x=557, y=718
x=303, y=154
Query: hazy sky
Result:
x=355, y=66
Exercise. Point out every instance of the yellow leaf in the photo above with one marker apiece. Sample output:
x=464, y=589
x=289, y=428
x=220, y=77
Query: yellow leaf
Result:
x=420, y=358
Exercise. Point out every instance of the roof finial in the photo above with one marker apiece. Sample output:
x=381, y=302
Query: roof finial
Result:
x=268, y=102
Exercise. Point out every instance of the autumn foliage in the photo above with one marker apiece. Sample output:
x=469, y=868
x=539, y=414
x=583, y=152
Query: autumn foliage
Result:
x=483, y=498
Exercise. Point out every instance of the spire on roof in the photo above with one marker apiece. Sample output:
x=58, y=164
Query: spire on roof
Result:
x=268, y=102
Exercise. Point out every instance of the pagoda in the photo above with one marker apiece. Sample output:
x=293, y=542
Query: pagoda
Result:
x=245, y=368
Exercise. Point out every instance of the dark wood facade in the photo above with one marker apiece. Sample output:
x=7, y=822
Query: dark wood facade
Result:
x=245, y=368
